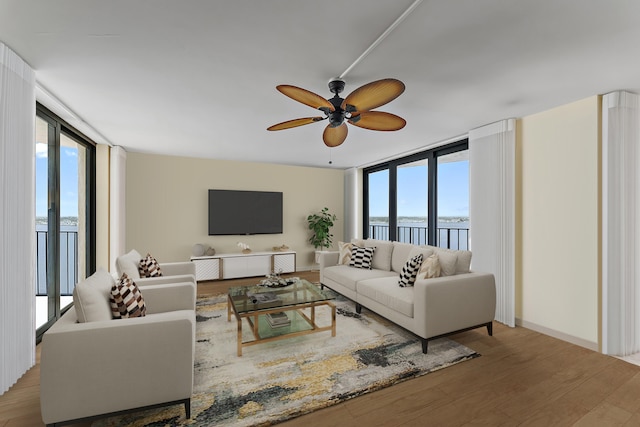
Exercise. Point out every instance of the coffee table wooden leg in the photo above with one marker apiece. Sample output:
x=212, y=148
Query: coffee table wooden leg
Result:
x=228, y=308
x=313, y=316
x=333, y=320
x=239, y=336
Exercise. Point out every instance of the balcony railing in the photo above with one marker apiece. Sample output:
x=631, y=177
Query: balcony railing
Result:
x=448, y=237
x=68, y=262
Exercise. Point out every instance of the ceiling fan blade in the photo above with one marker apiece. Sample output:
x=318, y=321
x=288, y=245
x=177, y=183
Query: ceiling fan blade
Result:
x=334, y=136
x=295, y=122
x=378, y=120
x=373, y=95
x=306, y=97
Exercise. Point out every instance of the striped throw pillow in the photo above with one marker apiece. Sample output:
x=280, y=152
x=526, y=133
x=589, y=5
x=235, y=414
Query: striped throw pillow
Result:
x=409, y=271
x=149, y=267
x=126, y=299
x=361, y=257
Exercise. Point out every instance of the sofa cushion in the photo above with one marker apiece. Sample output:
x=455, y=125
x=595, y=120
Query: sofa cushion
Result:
x=410, y=271
x=126, y=299
x=430, y=268
x=448, y=261
x=382, y=255
x=463, y=263
x=128, y=263
x=349, y=276
x=362, y=257
x=91, y=297
x=345, y=253
x=386, y=291
x=149, y=267
x=400, y=255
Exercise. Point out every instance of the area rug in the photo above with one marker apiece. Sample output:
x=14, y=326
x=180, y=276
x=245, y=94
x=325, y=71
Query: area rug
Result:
x=279, y=380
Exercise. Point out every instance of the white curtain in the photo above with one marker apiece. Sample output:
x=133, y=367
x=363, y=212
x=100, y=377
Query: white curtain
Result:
x=350, y=204
x=620, y=223
x=17, y=217
x=492, y=209
x=117, y=197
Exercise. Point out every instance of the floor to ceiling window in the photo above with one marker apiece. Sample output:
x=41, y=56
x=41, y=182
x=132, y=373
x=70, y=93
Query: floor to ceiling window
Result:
x=420, y=199
x=65, y=206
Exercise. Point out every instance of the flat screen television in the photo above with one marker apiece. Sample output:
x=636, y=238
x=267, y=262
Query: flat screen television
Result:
x=235, y=212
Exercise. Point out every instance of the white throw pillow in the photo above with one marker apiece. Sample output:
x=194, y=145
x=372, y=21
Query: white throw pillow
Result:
x=91, y=297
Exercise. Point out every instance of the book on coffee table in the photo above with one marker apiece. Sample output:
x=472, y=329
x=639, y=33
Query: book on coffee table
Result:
x=277, y=320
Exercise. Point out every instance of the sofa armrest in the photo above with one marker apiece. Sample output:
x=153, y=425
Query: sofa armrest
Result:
x=451, y=303
x=178, y=268
x=164, y=280
x=171, y=297
x=327, y=259
x=88, y=369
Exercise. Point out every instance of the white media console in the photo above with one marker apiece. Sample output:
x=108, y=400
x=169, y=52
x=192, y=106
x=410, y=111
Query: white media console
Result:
x=230, y=266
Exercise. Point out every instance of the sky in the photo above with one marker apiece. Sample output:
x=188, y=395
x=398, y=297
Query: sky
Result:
x=453, y=191
x=68, y=181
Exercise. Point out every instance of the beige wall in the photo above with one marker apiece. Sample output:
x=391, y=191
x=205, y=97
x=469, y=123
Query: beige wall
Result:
x=558, y=221
x=166, y=203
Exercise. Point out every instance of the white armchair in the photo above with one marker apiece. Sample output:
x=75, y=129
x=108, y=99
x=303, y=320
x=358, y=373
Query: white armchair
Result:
x=105, y=366
x=171, y=271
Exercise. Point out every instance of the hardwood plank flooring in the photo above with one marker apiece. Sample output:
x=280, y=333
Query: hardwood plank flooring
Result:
x=523, y=378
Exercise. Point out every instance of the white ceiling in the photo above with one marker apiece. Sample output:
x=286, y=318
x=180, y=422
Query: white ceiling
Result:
x=197, y=78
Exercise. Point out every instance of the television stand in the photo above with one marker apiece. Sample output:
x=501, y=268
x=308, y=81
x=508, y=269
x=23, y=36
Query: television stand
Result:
x=235, y=265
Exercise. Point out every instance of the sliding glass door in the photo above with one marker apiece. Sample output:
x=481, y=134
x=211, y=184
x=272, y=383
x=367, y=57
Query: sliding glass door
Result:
x=65, y=230
x=420, y=199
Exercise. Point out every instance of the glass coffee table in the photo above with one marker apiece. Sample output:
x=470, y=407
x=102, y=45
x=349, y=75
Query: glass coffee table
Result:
x=278, y=313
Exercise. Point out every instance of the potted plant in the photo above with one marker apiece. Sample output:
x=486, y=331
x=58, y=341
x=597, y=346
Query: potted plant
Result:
x=320, y=225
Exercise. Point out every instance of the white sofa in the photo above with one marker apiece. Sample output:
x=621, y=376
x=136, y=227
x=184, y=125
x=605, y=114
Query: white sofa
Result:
x=103, y=366
x=431, y=308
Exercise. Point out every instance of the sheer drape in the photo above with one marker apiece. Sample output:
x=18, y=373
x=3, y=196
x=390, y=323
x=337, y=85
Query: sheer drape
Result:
x=351, y=192
x=620, y=223
x=117, y=197
x=17, y=217
x=492, y=209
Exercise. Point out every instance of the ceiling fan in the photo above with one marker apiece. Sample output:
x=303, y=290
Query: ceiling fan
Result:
x=355, y=108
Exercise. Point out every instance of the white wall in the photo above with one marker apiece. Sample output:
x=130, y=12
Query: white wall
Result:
x=167, y=199
x=559, y=225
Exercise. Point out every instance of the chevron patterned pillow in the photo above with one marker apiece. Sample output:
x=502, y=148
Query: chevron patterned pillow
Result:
x=409, y=271
x=149, y=267
x=361, y=257
x=126, y=299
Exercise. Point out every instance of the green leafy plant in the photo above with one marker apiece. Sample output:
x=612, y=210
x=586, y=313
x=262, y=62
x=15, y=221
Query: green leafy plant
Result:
x=320, y=224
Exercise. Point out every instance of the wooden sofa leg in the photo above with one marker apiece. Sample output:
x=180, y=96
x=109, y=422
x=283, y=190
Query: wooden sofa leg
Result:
x=425, y=345
x=490, y=328
x=358, y=308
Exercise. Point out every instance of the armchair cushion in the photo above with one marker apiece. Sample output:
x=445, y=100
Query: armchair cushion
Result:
x=128, y=263
x=91, y=297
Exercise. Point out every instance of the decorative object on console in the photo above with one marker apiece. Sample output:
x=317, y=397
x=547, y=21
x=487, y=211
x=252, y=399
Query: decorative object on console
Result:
x=200, y=249
x=245, y=248
x=282, y=248
x=355, y=108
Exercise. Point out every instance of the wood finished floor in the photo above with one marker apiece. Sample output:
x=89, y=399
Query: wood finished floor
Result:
x=523, y=378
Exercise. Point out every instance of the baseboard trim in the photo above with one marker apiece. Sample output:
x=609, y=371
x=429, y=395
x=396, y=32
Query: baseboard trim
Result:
x=556, y=334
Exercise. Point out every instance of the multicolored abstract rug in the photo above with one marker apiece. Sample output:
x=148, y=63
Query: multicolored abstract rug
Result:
x=279, y=380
